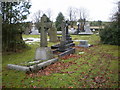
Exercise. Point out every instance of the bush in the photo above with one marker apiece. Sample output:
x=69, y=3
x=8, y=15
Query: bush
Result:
x=110, y=35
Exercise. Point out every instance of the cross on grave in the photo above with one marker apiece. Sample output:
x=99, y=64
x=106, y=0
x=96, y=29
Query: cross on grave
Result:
x=44, y=26
x=44, y=52
x=68, y=38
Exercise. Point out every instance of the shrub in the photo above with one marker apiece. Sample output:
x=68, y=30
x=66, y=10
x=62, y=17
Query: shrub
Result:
x=110, y=35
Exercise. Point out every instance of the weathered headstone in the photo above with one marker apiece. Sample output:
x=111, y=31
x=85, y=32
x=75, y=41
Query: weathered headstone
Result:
x=63, y=39
x=44, y=25
x=52, y=32
x=44, y=52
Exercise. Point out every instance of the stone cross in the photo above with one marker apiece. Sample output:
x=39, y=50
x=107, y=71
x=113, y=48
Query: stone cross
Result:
x=78, y=29
x=66, y=24
x=44, y=26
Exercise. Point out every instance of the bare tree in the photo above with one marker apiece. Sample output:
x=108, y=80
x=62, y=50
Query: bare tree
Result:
x=72, y=13
x=82, y=15
x=36, y=16
x=49, y=13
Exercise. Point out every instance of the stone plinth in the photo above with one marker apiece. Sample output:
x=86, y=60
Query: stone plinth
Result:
x=84, y=43
x=43, y=53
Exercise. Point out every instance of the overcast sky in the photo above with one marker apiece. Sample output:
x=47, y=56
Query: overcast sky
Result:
x=97, y=9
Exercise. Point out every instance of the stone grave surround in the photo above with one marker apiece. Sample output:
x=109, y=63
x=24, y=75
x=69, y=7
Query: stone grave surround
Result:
x=65, y=46
x=42, y=53
x=66, y=39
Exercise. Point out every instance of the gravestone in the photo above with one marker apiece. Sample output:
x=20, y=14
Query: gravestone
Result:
x=86, y=29
x=44, y=26
x=84, y=43
x=68, y=38
x=63, y=39
x=34, y=30
x=78, y=29
x=52, y=32
x=44, y=52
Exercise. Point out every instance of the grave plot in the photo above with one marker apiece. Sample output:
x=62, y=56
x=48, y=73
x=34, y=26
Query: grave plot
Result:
x=43, y=55
x=66, y=44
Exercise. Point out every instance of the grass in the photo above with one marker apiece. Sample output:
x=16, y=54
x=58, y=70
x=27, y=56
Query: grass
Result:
x=74, y=71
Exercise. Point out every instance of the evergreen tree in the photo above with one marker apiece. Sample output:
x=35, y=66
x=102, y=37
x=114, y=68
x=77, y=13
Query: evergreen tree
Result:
x=111, y=33
x=59, y=20
x=13, y=15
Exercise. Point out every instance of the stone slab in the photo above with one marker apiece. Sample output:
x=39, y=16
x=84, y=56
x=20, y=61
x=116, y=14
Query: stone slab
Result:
x=43, y=53
x=84, y=43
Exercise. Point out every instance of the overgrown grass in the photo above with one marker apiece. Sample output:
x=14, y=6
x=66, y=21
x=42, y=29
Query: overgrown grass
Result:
x=100, y=60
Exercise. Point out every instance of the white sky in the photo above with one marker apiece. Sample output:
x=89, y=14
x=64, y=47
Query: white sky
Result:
x=97, y=9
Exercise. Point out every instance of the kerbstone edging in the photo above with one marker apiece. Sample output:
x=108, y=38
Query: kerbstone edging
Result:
x=43, y=64
x=32, y=68
x=18, y=67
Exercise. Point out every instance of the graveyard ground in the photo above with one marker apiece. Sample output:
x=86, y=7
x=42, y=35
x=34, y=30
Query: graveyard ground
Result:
x=93, y=67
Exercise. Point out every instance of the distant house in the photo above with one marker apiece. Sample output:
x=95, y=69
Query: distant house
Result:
x=96, y=27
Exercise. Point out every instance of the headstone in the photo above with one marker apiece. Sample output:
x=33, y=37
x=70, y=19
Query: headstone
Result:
x=44, y=52
x=63, y=39
x=68, y=38
x=34, y=30
x=52, y=32
x=44, y=25
x=87, y=28
x=78, y=29
x=84, y=43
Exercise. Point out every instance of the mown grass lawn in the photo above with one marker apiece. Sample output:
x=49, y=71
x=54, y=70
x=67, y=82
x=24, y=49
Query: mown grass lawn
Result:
x=97, y=67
